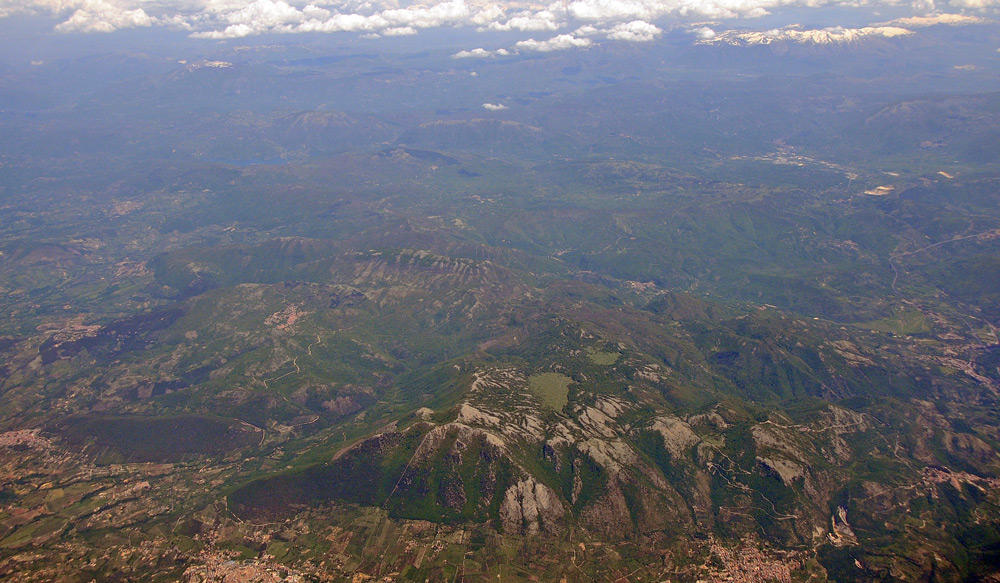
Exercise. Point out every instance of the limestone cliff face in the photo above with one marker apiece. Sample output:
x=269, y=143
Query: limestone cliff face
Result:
x=529, y=508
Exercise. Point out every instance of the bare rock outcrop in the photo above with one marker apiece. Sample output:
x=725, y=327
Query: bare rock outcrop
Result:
x=530, y=507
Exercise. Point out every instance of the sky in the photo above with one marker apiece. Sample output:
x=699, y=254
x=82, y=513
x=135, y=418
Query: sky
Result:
x=557, y=25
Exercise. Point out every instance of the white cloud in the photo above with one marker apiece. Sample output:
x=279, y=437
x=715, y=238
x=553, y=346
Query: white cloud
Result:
x=619, y=11
x=100, y=16
x=635, y=31
x=278, y=16
x=526, y=21
x=933, y=20
x=609, y=10
x=442, y=14
x=176, y=22
x=481, y=54
x=265, y=14
x=556, y=43
x=973, y=4
x=488, y=14
x=399, y=31
x=704, y=33
x=494, y=106
x=345, y=23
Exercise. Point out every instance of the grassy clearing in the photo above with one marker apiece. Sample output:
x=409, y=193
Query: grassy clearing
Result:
x=602, y=358
x=552, y=388
x=902, y=321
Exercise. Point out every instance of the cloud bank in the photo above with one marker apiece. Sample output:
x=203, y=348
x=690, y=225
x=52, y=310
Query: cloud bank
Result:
x=559, y=25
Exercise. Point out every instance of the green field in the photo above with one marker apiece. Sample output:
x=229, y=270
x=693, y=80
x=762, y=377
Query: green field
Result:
x=601, y=357
x=552, y=388
x=902, y=321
